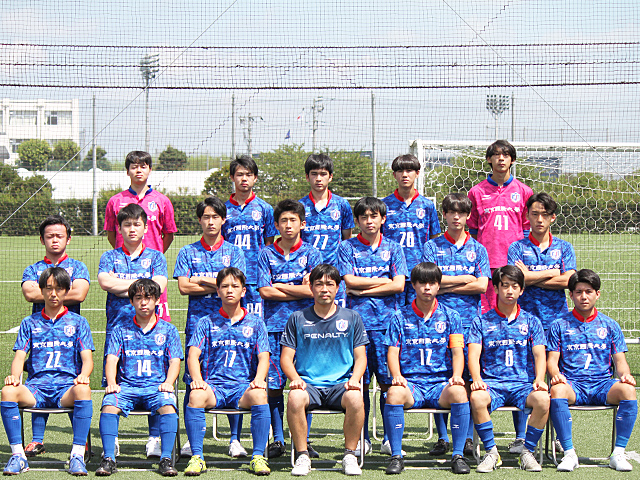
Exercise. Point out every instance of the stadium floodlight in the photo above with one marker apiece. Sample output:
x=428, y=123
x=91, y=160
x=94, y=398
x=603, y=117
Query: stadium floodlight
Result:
x=149, y=66
x=497, y=105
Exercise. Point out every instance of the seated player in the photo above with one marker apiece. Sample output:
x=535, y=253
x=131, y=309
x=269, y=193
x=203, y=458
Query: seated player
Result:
x=143, y=362
x=58, y=371
x=426, y=360
x=507, y=363
x=582, y=345
x=328, y=343
x=229, y=360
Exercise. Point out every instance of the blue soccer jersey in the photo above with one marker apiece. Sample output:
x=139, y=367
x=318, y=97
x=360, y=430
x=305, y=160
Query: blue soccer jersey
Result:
x=150, y=263
x=507, y=345
x=274, y=267
x=200, y=260
x=425, y=345
x=324, y=227
x=143, y=357
x=54, y=346
x=586, y=346
x=545, y=304
x=229, y=350
x=324, y=346
x=247, y=227
x=411, y=226
x=356, y=257
x=75, y=268
x=470, y=259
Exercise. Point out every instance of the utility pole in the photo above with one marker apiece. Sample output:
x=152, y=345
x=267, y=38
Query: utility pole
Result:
x=497, y=104
x=248, y=120
x=316, y=108
x=94, y=200
x=233, y=127
x=148, y=67
x=513, y=121
x=374, y=155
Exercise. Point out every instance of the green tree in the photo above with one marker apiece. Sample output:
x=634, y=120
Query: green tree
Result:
x=64, y=151
x=102, y=162
x=34, y=154
x=218, y=184
x=172, y=159
x=282, y=173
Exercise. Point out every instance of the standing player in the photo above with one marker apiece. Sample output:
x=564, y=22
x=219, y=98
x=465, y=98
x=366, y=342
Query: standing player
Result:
x=283, y=282
x=582, y=345
x=229, y=361
x=143, y=363
x=59, y=366
x=55, y=235
x=374, y=270
x=465, y=267
x=507, y=364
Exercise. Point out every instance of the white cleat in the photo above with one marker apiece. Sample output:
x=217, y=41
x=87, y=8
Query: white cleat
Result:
x=153, y=447
x=489, y=463
x=236, y=450
x=528, y=462
x=620, y=462
x=302, y=466
x=569, y=463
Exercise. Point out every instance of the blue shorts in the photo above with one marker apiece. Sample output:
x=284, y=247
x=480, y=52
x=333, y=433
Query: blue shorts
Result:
x=377, y=358
x=229, y=396
x=252, y=300
x=426, y=395
x=592, y=393
x=48, y=396
x=135, y=398
x=509, y=394
x=326, y=397
x=277, y=379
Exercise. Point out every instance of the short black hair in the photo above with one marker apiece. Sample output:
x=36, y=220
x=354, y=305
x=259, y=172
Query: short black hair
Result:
x=426, y=272
x=456, y=202
x=318, y=161
x=288, y=206
x=405, y=162
x=59, y=274
x=55, y=220
x=324, y=269
x=133, y=211
x=501, y=146
x=584, y=276
x=233, y=272
x=244, y=161
x=373, y=204
x=146, y=287
x=512, y=272
x=549, y=204
x=137, y=157
x=214, y=202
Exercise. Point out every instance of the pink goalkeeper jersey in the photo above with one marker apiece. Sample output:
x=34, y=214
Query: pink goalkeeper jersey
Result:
x=498, y=216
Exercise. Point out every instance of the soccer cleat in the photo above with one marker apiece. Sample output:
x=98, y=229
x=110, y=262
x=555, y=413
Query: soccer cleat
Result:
x=350, y=465
x=459, y=465
x=620, y=462
x=166, y=468
x=185, y=451
x=302, y=466
x=569, y=463
x=440, y=448
x=468, y=448
x=16, y=464
x=236, y=450
x=385, y=449
x=195, y=467
x=77, y=466
x=33, y=449
x=489, y=463
x=516, y=446
x=528, y=462
x=312, y=451
x=153, y=447
x=259, y=465
x=396, y=465
x=106, y=468
x=367, y=448
x=276, y=449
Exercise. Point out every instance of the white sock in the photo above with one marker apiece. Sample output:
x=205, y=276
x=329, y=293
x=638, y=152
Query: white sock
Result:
x=77, y=450
x=571, y=451
x=18, y=449
x=616, y=450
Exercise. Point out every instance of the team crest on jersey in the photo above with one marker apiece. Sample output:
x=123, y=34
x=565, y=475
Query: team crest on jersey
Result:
x=153, y=206
x=226, y=260
x=385, y=255
x=335, y=214
x=420, y=213
x=247, y=331
x=69, y=330
x=524, y=329
x=342, y=325
x=602, y=333
x=145, y=262
x=440, y=326
x=256, y=215
x=515, y=197
x=471, y=255
x=160, y=338
x=302, y=261
x=555, y=254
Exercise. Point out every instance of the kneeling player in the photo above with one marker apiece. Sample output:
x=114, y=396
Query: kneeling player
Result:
x=426, y=361
x=60, y=364
x=582, y=344
x=145, y=352
x=235, y=360
x=507, y=363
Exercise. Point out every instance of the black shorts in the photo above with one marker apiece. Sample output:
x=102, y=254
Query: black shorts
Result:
x=326, y=397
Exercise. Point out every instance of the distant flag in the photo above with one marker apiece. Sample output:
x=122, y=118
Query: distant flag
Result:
x=299, y=117
x=288, y=135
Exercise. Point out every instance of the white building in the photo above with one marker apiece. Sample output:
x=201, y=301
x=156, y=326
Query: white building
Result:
x=49, y=120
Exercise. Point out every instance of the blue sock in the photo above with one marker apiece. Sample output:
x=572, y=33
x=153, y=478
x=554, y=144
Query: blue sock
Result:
x=562, y=422
x=625, y=420
x=470, y=428
x=441, y=425
x=12, y=422
x=82, y=413
x=309, y=420
x=196, y=426
x=38, y=426
x=383, y=402
x=460, y=414
x=276, y=408
x=394, y=423
x=260, y=421
x=168, y=426
x=154, y=425
x=485, y=432
x=532, y=437
x=235, y=425
x=109, y=423
x=520, y=423
x=367, y=408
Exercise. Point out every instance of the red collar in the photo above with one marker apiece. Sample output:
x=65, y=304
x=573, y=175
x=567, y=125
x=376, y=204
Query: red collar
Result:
x=213, y=247
x=233, y=201
x=500, y=314
x=364, y=241
x=450, y=238
x=224, y=314
x=536, y=242
x=403, y=200
x=47, y=317
x=419, y=312
x=314, y=200
x=293, y=249
x=135, y=320
x=49, y=262
x=585, y=320
x=127, y=252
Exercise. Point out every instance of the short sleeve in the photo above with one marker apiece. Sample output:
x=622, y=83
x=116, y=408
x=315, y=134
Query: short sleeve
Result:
x=106, y=262
x=85, y=339
x=553, y=337
x=398, y=262
x=169, y=224
x=434, y=221
x=199, y=337
x=473, y=220
x=159, y=265
x=514, y=253
x=30, y=274
x=264, y=270
x=289, y=335
x=80, y=271
x=618, y=344
x=526, y=193
x=429, y=252
x=262, y=338
x=537, y=332
x=345, y=259
x=346, y=214
x=393, y=337
x=568, y=258
x=482, y=262
x=174, y=345
x=269, y=224
x=110, y=216
x=183, y=266
x=475, y=332
x=23, y=341
x=360, y=337
x=455, y=323
x=115, y=342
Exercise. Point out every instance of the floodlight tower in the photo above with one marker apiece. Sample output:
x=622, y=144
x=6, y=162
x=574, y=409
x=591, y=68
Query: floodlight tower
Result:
x=149, y=66
x=497, y=104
